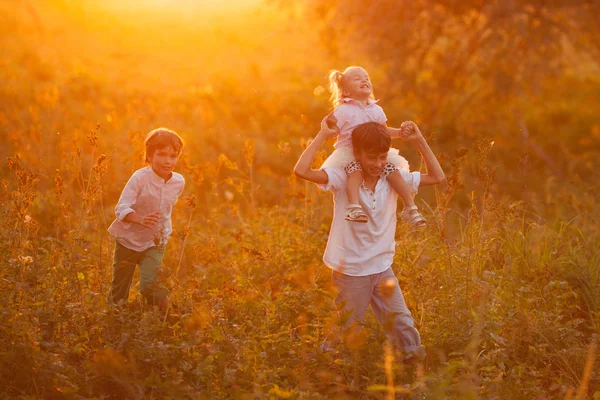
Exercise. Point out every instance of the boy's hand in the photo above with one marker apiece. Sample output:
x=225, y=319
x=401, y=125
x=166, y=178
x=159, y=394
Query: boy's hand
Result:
x=410, y=131
x=150, y=220
x=329, y=128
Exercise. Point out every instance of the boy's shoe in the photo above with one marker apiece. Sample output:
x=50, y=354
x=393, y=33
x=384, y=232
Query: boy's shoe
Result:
x=354, y=213
x=412, y=215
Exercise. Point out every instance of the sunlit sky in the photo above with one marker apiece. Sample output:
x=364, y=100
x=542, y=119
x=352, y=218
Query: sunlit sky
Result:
x=179, y=5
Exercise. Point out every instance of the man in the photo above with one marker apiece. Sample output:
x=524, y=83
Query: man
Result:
x=361, y=255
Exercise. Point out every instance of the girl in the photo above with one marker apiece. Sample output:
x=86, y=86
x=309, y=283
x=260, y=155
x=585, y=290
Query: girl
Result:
x=143, y=223
x=354, y=103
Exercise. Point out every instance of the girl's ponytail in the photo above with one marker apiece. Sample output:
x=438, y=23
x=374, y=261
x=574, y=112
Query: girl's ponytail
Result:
x=335, y=86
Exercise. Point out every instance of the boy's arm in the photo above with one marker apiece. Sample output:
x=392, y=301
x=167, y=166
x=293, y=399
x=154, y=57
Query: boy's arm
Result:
x=303, y=166
x=124, y=210
x=148, y=220
x=127, y=200
x=434, y=174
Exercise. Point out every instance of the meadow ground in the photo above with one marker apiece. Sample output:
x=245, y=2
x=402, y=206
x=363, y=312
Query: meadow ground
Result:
x=504, y=283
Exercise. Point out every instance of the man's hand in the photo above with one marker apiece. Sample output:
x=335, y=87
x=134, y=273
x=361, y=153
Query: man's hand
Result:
x=303, y=167
x=329, y=128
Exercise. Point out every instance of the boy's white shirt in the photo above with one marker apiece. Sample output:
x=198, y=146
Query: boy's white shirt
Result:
x=360, y=249
x=145, y=193
x=352, y=113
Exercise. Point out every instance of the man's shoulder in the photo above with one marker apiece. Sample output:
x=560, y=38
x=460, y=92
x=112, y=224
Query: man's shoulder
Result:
x=336, y=179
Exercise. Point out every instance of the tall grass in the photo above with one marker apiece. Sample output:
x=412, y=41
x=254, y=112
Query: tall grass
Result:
x=504, y=284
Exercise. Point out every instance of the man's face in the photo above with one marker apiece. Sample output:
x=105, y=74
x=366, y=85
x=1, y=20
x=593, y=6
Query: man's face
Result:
x=372, y=163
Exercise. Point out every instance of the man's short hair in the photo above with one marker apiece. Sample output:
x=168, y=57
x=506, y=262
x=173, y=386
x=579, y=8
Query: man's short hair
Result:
x=371, y=137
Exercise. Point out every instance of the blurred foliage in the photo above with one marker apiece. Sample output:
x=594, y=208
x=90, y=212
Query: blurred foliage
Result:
x=523, y=73
x=504, y=284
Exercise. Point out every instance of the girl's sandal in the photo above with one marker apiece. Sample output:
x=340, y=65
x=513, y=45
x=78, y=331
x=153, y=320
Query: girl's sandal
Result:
x=414, y=217
x=356, y=214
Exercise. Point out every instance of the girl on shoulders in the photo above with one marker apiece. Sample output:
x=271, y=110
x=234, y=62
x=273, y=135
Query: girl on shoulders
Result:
x=354, y=104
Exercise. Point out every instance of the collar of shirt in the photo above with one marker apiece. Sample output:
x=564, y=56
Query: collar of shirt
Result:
x=154, y=178
x=377, y=185
x=370, y=102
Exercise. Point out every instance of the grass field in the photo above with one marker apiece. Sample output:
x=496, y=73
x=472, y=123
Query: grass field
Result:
x=504, y=283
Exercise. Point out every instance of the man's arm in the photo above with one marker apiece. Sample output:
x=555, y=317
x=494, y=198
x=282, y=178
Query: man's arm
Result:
x=303, y=166
x=434, y=174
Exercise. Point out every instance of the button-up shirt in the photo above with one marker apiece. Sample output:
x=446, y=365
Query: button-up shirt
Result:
x=352, y=113
x=145, y=193
x=360, y=249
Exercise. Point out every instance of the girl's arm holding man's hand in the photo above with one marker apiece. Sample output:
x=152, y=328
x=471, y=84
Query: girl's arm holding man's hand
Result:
x=403, y=132
x=303, y=166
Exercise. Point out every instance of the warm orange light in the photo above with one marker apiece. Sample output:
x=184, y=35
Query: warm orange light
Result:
x=177, y=5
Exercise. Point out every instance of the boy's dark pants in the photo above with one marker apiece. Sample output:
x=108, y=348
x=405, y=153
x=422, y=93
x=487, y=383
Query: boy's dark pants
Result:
x=124, y=265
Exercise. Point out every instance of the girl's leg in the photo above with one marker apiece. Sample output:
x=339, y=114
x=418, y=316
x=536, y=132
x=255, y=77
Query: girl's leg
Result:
x=355, y=212
x=411, y=211
x=354, y=181
x=123, y=268
x=150, y=285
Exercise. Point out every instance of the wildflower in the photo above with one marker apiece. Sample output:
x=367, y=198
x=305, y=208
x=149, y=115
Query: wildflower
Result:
x=284, y=148
x=319, y=90
x=387, y=288
x=190, y=201
x=25, y=259
x=93, y=136
x=249, y=152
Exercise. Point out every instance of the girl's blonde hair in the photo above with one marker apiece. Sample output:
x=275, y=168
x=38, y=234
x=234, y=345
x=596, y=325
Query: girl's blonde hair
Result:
x=336, y=85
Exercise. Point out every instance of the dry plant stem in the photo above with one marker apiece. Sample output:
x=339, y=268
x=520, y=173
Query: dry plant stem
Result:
x=389, y=373
x=587, y=372
x=306, y=187
x=187, y=228
x=84, y=194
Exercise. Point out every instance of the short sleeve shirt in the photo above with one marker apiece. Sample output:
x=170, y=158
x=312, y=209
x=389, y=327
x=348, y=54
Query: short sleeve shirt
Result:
x=352, y=113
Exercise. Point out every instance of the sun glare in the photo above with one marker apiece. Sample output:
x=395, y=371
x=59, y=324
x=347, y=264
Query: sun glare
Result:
x=178, y=5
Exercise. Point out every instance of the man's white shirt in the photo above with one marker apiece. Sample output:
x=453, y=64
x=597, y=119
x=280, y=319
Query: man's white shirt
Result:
x=360, y=249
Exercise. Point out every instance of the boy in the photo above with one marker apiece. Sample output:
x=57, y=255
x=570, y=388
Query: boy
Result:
x=143, y=223
x=361, y=255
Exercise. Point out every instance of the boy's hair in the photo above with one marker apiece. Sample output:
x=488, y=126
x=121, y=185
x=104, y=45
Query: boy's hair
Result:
x=371, y=137
x=159, y=138
x=336, y=85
